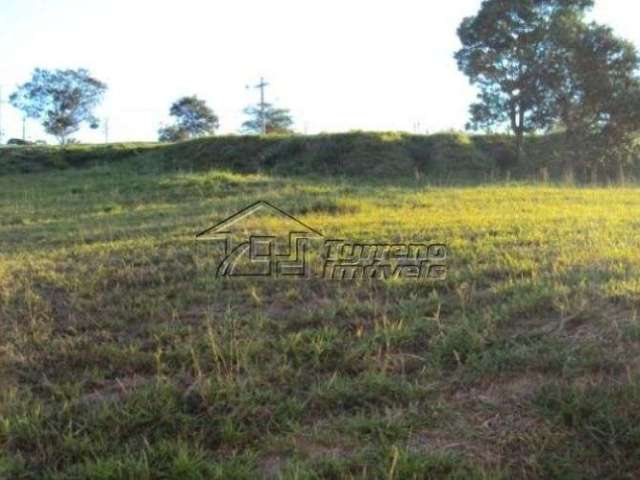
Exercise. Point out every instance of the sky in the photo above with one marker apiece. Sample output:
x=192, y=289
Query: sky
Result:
x=338, y=65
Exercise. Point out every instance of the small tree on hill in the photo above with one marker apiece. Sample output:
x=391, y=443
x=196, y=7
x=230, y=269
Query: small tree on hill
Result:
x=275, y=120
x=172, y=133
x=61, y=99
x=194, y=118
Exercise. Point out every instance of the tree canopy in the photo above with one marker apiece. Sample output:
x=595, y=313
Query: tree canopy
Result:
x=539, y=64
x=172, y=133
x=194, y=118
x=505, y=52
x=596, y=94
x=275, y=120
x=61, y=99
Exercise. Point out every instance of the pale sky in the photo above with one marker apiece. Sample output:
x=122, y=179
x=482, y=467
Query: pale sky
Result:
x=337, y=65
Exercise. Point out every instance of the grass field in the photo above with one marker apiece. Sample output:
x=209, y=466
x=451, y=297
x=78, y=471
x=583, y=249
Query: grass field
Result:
x=118, y=361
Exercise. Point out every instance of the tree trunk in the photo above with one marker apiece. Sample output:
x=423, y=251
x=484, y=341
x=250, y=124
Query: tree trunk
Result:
x=517, y=125
x=594, y=175
x=519, y=145
x=520, y=139
x=621, y=177
x=544, y=175
x=568, y=173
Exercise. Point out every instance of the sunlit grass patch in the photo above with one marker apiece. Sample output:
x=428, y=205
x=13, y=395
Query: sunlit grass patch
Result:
x=123, y=356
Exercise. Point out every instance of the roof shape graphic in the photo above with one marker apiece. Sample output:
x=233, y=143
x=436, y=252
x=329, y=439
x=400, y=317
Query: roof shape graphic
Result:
x=222, y=228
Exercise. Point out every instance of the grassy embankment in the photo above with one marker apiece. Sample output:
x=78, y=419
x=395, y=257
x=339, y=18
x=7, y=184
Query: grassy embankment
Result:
x=446, y=157
x=118, y=359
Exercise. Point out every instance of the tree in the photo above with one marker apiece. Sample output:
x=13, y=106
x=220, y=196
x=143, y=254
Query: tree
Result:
x=505, y=52
x=172, y=134
x=61, y=99
x=596, y=94
x=194, y=118
x=275, y=120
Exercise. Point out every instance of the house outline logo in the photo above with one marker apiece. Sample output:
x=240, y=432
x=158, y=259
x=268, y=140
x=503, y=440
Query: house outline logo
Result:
x=259, y=255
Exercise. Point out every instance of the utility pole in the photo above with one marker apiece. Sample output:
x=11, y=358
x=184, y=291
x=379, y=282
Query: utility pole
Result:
x=106, y=130
x=24, y=129
x=263, y=118
x=262, y=86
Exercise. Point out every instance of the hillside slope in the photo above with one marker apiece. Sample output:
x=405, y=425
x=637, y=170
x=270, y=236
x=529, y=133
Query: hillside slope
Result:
x=447, y=156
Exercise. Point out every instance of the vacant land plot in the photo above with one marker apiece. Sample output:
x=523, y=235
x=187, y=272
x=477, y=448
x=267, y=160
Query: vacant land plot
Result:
x=117, y=360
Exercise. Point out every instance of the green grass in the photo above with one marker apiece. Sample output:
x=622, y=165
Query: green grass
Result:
x=120, y=357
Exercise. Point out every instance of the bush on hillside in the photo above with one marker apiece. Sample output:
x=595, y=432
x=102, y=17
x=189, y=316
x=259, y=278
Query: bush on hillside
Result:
x=444, y=156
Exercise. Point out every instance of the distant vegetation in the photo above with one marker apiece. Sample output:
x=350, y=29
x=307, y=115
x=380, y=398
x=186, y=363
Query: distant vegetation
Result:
x=265, y=118
x=443, y=157
x=61, y=99
x=540, y=66
x=566, y=89
x=194, y=118
x=38, y=158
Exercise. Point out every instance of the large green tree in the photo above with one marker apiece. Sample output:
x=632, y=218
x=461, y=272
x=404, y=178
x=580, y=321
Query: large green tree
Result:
x=596, y=96
x=274, y=120
x=194, y=118
x=61, y=99
x=505, y=52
